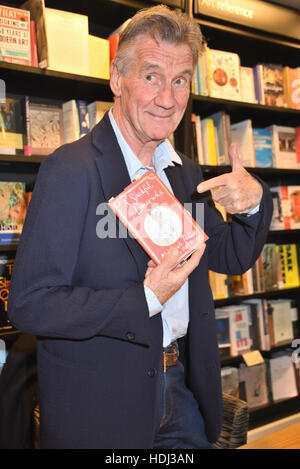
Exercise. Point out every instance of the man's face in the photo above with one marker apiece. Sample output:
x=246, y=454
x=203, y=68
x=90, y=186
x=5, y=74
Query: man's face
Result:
x=153, y=94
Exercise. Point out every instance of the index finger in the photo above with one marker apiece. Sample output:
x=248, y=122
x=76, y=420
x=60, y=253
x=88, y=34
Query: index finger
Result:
x=212, y=183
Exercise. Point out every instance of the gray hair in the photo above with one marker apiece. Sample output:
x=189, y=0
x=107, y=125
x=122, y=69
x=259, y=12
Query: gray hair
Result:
x=160, y=23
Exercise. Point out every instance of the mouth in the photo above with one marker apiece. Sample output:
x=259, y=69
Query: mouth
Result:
x=160, y=117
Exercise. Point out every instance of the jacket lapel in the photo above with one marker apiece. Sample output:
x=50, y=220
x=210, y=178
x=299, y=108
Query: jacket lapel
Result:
x=114, y=178
x=174, y=175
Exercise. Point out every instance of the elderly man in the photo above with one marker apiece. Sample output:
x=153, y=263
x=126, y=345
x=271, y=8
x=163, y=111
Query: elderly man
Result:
x=127, y=350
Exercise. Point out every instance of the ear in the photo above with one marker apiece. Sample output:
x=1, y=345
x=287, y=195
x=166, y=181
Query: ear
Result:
x=115, y=80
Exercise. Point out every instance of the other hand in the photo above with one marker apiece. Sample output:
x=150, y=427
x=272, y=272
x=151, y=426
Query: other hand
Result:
x=238, y=191
x=164, y=280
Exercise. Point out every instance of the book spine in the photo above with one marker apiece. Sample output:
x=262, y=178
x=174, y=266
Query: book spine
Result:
x=27, y=128
x=33, y=45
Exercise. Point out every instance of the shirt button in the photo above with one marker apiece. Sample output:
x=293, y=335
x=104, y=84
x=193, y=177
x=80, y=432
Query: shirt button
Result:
x=151, y=372
x=130, y=336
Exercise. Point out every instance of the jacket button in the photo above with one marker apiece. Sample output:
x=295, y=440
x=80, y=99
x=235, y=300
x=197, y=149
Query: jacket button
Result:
x=130, y=336
x=151, y=372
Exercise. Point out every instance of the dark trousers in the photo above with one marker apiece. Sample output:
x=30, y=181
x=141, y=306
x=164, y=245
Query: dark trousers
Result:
x=180, y=423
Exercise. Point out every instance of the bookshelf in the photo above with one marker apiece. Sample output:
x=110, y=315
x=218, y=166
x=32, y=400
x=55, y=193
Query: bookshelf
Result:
x=252, y=45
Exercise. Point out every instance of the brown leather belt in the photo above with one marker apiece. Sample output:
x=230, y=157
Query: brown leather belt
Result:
x=169, y=356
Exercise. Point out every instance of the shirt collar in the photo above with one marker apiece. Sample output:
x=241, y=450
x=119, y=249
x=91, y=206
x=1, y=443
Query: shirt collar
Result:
x=164, y=155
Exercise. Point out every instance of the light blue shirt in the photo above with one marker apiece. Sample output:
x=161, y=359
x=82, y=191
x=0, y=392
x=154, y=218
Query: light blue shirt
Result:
x=175, y=312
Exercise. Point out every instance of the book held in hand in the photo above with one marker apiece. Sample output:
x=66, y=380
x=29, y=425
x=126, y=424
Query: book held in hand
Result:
x=156, y=219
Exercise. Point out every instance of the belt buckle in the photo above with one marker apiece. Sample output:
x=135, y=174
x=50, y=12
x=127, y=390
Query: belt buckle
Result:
x=169, y=349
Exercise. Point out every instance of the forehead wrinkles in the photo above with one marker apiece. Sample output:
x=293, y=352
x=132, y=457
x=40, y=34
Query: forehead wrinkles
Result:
x=149, y=54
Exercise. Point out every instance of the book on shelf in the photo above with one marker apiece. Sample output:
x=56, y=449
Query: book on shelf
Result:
x=209, y=143
x=230, y=380
x=253, y=386
x=221, y=122
x=6, y=267
x=11, y=125
x=156, y=219
x=96, y=111
x=270, y=267
x=13, y=211
x=83, y=116
x=15, y=35
x=294, y=199
x=113, y=39
x=284, y=147
x=291, y=80
x=281, y=217
x=241, y=284
x=247, y=85
x=219, y=285
x=263, y=148
x=288, y=265
x=239, y=327
x=286, y=204
x=75, y=120
x=62, y=38
x=259, y=328
x=224, y=74
x=281, y=377
x=270, y=84
x=98, y=52
x=33, y=45
x=44, y=127
x=242, y=133
x=280, y=322
x=223, y=333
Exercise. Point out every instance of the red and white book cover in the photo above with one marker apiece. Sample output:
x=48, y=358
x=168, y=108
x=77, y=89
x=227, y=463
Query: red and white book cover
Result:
x=156, y=218
x=15, y=35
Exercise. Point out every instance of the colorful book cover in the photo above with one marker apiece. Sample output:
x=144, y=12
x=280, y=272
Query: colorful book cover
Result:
x=223, y=332
x=263, y=148
x=291, y=84
x=284, y=147
x=83, y=117
x=15, y=35
x=12, y=211
x=6, y=267
x=242, y=133
x=254, y=383
x=289, y=265
x=270, y=267
x=11, y=125
x=45, y=127
x=247, y=85
x=222, y=137
x=281, y=218
x=224, y=75
x=272, y=85
x=294, y=200
x=156, y=219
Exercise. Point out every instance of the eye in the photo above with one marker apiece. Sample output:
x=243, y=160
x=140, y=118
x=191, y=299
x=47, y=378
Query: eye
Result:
x=181, y=82
x=152, y=79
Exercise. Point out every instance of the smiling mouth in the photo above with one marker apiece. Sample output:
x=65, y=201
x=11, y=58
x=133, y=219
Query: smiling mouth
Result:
x=155, y=116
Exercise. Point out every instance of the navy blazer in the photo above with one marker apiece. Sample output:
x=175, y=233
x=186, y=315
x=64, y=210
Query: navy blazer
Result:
x=83, y=296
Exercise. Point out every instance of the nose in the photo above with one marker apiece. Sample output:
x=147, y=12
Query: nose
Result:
x=165, y=97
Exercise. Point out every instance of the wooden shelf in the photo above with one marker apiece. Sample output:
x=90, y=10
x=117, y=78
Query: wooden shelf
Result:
x=259, y=171
x=274, y=411
x=267, y=294
x=33, y=81
x=35, y=159
x=261, y=115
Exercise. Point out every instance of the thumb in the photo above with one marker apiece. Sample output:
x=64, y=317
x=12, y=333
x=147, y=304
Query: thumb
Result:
x=235, y=161
x=170, y=259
